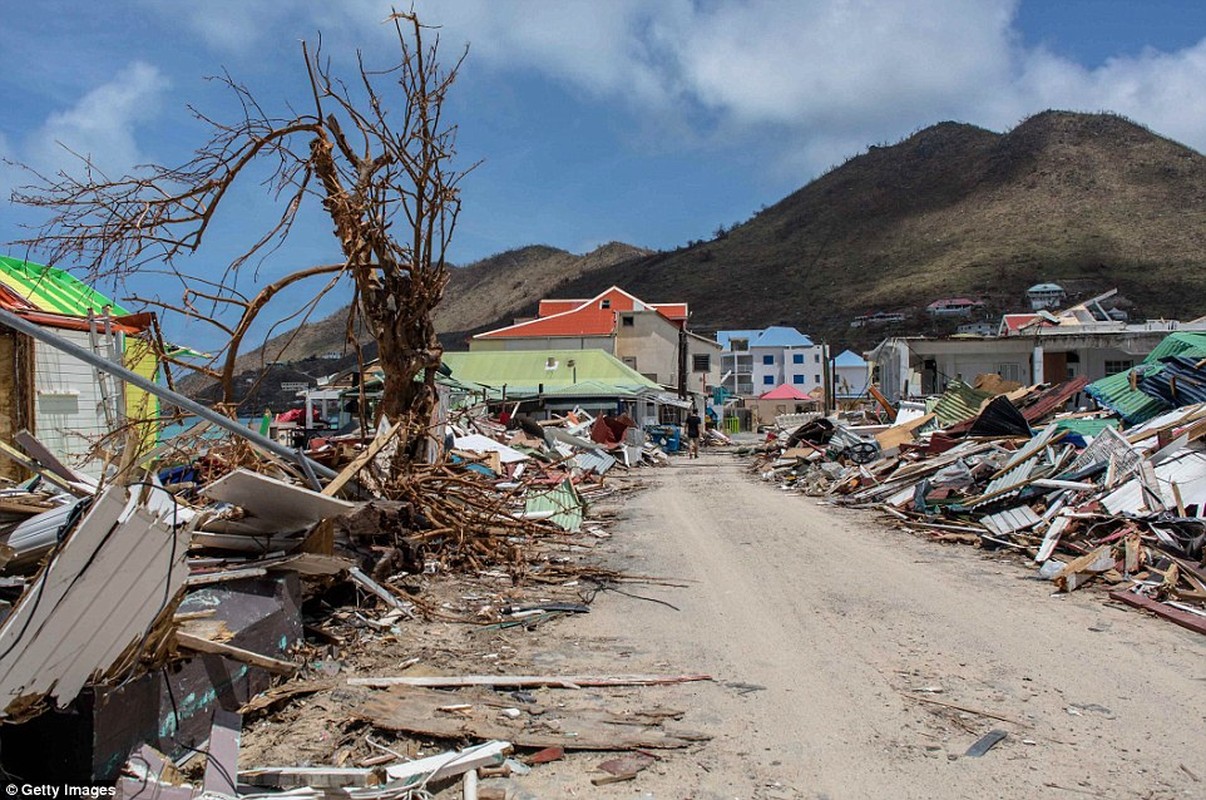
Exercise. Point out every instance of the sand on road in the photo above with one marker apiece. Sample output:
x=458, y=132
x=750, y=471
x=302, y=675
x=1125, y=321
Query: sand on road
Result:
x=821, y=626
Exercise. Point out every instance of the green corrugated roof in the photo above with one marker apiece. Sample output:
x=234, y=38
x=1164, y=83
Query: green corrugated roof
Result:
x=1115, y=391
x=524, y=371
x=1087, y=426
x=53, y=289
x=958, y=403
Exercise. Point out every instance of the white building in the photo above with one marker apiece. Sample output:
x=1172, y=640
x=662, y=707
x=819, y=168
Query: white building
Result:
x=851, y=375
x=1046, y=295
x=756, y=361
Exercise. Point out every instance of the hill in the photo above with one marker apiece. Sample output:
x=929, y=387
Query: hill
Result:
x=478, y=295
x=1090, y=200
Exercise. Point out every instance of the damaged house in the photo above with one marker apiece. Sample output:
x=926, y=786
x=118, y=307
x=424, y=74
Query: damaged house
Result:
x=649, y=338
x=66, y=403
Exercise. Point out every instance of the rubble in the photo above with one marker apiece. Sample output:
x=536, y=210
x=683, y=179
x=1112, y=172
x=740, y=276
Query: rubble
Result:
x=1086, y=500
x=142, y=609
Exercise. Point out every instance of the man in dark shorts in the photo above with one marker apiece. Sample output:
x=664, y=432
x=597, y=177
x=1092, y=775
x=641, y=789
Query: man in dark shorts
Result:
x=694, y=429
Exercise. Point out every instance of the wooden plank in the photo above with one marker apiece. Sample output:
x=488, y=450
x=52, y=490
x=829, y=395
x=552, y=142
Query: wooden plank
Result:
x=347, y=473
x=370, y=585
x=1175, y=615
x=417, y=711
x=40, y=453
x=200, y=645
x=1073, y=576
x=522, y=681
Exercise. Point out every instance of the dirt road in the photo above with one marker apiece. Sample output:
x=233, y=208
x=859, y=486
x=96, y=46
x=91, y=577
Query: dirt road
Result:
x=820, y=626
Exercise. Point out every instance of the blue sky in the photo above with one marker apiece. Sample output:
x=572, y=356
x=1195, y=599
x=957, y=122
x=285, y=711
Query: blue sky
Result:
x=646, y=121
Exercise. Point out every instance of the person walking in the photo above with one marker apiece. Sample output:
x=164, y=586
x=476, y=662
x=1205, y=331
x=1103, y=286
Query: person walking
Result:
x=694, y=430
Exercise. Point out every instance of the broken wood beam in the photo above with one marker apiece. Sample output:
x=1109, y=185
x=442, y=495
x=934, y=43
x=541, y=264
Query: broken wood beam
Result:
x=1175, y=615
x=521, y=681
x=199, y=644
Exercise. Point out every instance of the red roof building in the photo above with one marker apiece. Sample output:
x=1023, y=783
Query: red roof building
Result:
x=645, y=336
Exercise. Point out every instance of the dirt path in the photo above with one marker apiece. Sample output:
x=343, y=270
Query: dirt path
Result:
x=816, y=623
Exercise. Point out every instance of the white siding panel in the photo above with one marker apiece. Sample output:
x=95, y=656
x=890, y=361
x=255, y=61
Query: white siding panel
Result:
x=68, y=415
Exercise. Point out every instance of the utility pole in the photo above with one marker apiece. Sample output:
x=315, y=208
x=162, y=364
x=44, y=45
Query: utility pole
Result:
x=682, y=362
x=828, y=383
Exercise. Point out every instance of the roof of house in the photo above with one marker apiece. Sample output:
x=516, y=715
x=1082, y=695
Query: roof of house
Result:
x=784, y=391
x=1045, y=287
x=593, y=317
x=849, y=358
x=523, y=372
x=946, y=302
x=1116, y=393
x=774, y=336
x=1012, y=323
x=781, y=336
x=30, y=286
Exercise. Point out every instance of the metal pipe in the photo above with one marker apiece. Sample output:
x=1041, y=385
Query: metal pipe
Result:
x=23, y=325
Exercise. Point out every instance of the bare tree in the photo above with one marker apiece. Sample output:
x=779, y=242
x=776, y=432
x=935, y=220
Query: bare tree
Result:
x=377, y=157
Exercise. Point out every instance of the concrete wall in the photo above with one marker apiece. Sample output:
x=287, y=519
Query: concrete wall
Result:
x=649, y=345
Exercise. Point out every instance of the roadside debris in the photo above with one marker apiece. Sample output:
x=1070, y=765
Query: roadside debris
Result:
x=1084, y=498
x=141, y=608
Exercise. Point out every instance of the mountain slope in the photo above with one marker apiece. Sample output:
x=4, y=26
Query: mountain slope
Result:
x=1092, y=200
x=477, y=296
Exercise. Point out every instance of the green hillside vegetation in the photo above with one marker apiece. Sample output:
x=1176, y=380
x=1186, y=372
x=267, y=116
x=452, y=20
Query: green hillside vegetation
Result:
x=1090, y=201
x=1093, y=201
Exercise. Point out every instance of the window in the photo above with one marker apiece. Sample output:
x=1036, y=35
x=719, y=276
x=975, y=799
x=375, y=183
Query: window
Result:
x=630, y=362
x=739, y=345
x=768, y=380
x=628, y=320
x=816, y=379
x=768, y=359
x=797, y=379
x=701, y=362
x=1114, y=367
x=816, y=358
x=797, y=358
x=605, y=304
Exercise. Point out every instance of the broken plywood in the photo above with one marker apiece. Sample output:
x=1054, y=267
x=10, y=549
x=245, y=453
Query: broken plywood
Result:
x=271, y=505
x=478, y=715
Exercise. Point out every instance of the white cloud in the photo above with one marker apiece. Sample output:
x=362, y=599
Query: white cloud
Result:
x=829, y=76
x=101, y=125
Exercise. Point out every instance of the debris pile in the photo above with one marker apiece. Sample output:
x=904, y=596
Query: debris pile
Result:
x=1086, y=500
x=143, y=609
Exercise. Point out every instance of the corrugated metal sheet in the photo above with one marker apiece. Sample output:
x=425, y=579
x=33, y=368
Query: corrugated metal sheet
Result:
x=1011, y=519
x=1187, y=471
x=560, y=505
x=1116, y=393
x=1053, y=399
x=1007, y=484
x=1047, y=436
x=958, y=403
x=49, y=289
x=1182, y=382
x=594, y=460
x=1087, y=426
